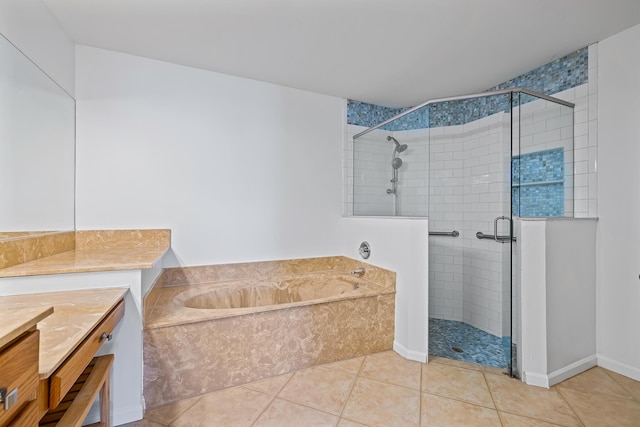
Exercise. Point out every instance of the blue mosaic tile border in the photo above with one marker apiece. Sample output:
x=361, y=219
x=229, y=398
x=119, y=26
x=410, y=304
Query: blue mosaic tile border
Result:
x=460, y=112
x=536, y=192
x=562, y=74
x=363, y=114
x=556, y=76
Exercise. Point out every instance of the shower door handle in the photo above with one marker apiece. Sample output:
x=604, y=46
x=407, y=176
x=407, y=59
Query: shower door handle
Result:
x=502, y=239
x=495, y=236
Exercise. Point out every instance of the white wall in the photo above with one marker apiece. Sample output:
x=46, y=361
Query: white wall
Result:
x=30, y=26
x=238, y=169
x=571, y=295
x=618, y=253
x=400, y=245
x=557, y=279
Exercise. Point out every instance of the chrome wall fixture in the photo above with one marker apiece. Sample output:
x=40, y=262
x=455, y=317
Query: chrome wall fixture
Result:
x=454, y=233
x=396, y=163
x=364, y=250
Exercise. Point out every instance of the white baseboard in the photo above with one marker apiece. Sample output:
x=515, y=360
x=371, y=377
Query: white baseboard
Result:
x=418, y=356
x=555, y=377
x=571, y=370
x=620, y=368
x=533, y=378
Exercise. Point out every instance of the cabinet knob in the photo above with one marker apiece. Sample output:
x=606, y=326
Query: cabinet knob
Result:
x=104, y=336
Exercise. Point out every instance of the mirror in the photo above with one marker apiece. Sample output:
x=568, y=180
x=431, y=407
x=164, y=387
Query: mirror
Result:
x=37, y=148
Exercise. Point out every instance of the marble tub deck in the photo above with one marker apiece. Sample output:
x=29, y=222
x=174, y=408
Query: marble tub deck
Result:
x=169, y=308
x=384, y=389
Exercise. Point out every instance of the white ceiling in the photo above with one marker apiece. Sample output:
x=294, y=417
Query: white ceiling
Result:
x=386, y=52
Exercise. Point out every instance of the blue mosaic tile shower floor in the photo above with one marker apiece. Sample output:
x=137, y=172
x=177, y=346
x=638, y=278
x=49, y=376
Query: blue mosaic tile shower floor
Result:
x=478, y=346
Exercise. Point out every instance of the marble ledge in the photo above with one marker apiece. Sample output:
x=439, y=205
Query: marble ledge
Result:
x=75, y=315
x=17, y=321
x=89, y=260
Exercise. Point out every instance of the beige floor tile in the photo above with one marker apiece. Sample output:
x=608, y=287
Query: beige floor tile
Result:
x=457, y=383
x=596, y=380
x=351, y=366
x=348, y=423
x=631, y=385
x=287, y=414
x=167, y=413
x=376, y=403
x=493, y=370
x=458, y=363
x=143, y=423
x=236, y=406
x=602, y=411
x=392, y=368
x=271, y=385
x=511, y=395
x=440, y=411
x=511, y=420
x=320, y=388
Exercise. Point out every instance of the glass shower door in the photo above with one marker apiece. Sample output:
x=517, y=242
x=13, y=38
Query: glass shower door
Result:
x=470, y=192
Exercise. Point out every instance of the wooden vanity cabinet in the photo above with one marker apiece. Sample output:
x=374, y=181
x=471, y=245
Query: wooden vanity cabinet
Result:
x=72, y=388
x=19, y=378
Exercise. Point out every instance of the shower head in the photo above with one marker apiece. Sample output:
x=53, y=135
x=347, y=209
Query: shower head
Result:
x=399, y=147
x=396, y=163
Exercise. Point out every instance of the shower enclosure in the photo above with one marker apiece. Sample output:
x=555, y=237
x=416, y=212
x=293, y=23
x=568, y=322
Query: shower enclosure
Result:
x=471, y=164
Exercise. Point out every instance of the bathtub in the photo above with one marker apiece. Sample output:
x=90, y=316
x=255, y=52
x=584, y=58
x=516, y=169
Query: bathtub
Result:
x=213, y=327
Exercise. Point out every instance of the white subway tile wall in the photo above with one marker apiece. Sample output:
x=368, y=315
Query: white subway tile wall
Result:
x=470, y=186
x=365, y=193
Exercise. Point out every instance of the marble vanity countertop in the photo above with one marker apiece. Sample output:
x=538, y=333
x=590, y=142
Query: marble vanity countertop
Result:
x=75, y=315
x=87, y=260
x=16, y=321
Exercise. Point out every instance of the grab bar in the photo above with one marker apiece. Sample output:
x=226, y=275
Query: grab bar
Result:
x=501, y=239
x=453, y=233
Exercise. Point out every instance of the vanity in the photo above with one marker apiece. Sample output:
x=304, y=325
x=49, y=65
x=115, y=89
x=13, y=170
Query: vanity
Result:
x=89, y=332
x=53, y=371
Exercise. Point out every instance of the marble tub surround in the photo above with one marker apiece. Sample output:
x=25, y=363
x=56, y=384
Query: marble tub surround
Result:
x=17, y=321
x=195, y=358
x=149, y=300
x=24, y=247
x=75, y=315
x=253, y=270
x=192, y=349
x=120, y=250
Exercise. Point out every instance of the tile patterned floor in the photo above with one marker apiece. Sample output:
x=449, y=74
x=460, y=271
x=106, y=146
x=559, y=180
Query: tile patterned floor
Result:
x=383, y=389
x=478, y=346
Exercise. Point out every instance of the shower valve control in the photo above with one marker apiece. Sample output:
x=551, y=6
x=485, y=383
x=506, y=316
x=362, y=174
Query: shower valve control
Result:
x=364, y=250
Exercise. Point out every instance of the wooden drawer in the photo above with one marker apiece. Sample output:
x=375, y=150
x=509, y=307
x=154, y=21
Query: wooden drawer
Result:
x=29, y=416
x=63, y=379
x=19, y=369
